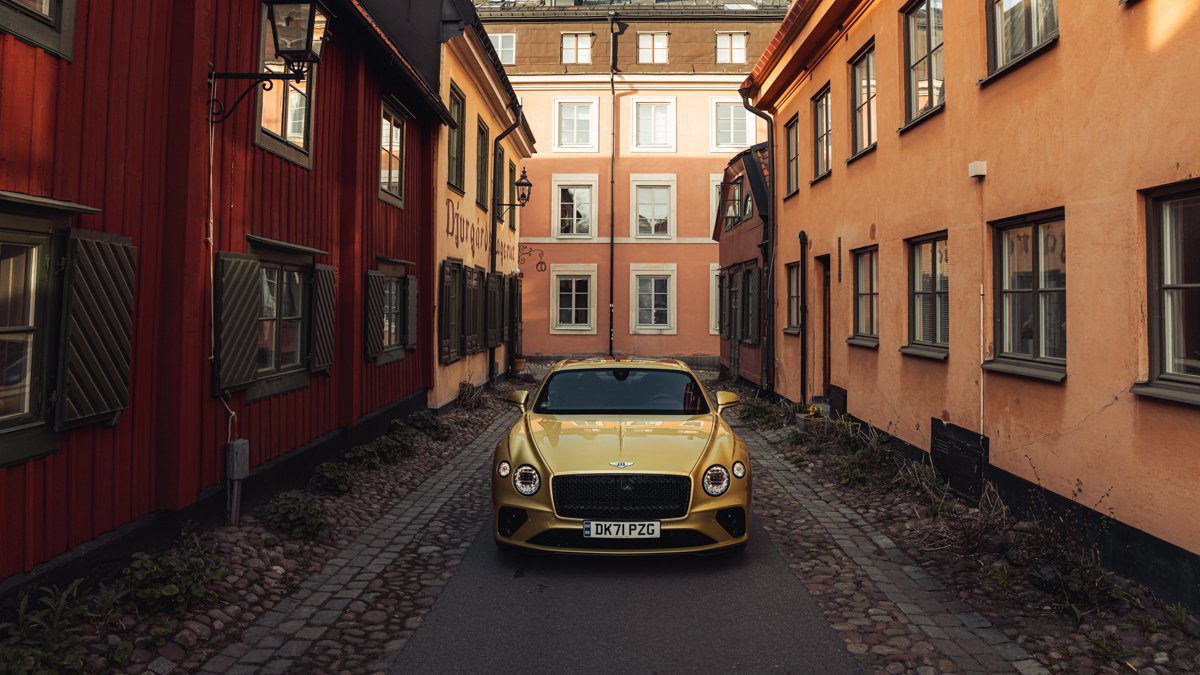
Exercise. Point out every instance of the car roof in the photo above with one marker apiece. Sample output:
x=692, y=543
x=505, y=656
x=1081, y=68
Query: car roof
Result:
x=608, y=362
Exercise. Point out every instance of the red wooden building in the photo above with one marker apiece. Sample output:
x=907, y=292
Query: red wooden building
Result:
x=169, y=283
x=741, y=231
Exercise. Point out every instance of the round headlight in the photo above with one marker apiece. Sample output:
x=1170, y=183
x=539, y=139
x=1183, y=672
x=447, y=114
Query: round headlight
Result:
x=716, y=480
x=504, y=468
x=739, y=470
x=526, y=480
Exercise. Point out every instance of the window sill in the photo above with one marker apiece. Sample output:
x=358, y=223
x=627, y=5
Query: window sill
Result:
x=481, y=206
x=820, y=178
x=30, y=442
x=861, y=153
x=793, y=330
x=926, y=352
x=1020, y=61
x=863, y=341
x=282, y=149
x=648, y=330
x=793, y=193
x=277, y=385
x=1031, y=369
x=392, y=199
x=917, y=121
x=456, y=190
x=1168, y=391
x=391, y=355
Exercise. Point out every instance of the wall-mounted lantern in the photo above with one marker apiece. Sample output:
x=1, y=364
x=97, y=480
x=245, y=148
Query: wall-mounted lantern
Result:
x=524, y=191
x=299, y=31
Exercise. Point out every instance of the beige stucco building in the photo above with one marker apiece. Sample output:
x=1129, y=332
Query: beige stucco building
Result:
x=616, y=245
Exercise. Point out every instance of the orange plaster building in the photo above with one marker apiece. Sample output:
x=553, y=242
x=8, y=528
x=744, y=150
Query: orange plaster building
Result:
x=996, y=210
x=616, y=253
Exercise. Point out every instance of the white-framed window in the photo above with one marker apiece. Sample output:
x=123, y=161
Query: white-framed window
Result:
x=715, y=181
x=574, y=204
x=652, y=206
x=576, y=47
x=391, y=156
x=714, y=298
x=576, y=124
x=653, y=125
x=506, y=47
x=573, y=290
x=652, y=47
x=732, y=125
x=731, y=47
x=652, y=299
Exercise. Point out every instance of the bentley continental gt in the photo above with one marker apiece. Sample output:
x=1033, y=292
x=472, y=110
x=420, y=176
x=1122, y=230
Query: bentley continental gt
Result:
x=621, y=456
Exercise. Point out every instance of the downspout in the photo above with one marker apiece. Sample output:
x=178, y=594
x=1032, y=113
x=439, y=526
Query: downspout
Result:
x=768, y=248
x=612, y=185
x=497, y=190
x=803, y=318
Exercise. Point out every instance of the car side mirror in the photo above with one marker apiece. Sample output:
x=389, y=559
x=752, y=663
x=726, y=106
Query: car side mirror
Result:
x=518, y=399
x=726, y=400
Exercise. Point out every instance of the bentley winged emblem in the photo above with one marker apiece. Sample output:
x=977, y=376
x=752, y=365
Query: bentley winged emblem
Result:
x=621, y=465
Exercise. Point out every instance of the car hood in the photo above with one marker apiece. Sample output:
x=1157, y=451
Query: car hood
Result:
x=570, y=444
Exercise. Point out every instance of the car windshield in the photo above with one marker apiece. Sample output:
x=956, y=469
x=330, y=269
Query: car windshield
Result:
x=617, y=391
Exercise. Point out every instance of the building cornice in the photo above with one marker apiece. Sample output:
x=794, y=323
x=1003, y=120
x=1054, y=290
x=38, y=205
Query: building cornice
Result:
x=598, y=81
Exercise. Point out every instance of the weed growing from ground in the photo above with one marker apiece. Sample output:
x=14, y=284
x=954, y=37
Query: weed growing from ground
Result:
x=332, y=478
x=292, y=515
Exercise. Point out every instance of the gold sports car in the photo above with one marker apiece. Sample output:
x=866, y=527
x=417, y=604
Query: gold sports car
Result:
x=621, y=456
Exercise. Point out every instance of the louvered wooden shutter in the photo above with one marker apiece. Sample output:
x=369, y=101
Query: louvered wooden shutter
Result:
x=324, y=288
x=239, y=301
x=411, y=298
x=723, y=299
x=518, y=319
x=506, y=308
x=97, y=330
x=753, y=296
x=481, y=311
x=493, y=310
x=471, y=311
x=445, y=312
x=373, y=331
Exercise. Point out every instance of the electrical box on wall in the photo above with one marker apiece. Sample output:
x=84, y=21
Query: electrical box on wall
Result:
x=237, y=459
x=977, y=169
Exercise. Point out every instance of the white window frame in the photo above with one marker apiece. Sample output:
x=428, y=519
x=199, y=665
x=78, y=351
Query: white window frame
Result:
x=653, y=270
x=562, y=49
x=573, y=270
x=672, y=123
x=666, y=55
x=751, y=125
x=714, y=298
x=715, y=181
x=497, y=42
x=561, y=180
x=732, y=50
x=654, y=180
x=593, y=144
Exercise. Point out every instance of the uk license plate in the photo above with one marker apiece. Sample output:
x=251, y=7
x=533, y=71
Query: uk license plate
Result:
x=593, y=529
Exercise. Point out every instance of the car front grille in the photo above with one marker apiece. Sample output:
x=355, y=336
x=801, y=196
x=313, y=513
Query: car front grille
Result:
x=622, y=496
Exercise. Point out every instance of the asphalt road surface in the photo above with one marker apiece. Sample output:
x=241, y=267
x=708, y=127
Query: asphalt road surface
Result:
x=508, y=612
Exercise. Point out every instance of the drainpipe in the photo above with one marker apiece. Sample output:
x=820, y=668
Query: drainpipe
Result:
x=497, y=191
x=768, y=247
x=803, y=316
x=612, y=185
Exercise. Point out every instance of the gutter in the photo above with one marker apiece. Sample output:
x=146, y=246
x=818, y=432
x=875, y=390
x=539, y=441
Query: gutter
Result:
x=497, y=190
x=612, y=186
x=768, y=249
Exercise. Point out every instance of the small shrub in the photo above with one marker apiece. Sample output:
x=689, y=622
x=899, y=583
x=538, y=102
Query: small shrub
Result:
x=470, y=396
x=365, y=456
x=333, y=478
x=46, y=638
x=759, y=412
x=296, y=517
x=175, y=580
x=428, y=423
x=396, y=445
x=1181, y=618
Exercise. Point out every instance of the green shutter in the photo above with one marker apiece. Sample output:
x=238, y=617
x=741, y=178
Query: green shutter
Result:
x=97, y=330
x=753, y=309
x=723, y=300
x=239, y=301
x=493, y=310
x=324, y=288
x=373, y=331
x=410, y=312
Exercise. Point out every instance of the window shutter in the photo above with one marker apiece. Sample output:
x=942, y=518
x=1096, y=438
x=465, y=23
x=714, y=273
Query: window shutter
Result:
x=324, y=285
x=754, y=298
x=481, y=311
x=723, y=299
x=97, y=330
x=239, y=301
x=374, y=314
x=410, y=312
x=493, y=310
x=445, y=312
x=518, y=328
x=506, y=308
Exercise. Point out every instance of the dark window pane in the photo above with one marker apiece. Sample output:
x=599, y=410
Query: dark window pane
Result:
x=16, y=356
x=1019, y=323
x=1054, y=255
x=289, y=344
x=1017, y=251
x=1181, y=318
x=1181, y=242
x=16, y=285
x=266, y=344
x=1054, y=325
x=270, y=293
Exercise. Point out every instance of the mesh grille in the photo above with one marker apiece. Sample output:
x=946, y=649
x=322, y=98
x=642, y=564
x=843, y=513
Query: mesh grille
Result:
x=622, y=496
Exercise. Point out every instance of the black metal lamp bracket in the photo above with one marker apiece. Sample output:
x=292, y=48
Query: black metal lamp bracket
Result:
x=218, y=113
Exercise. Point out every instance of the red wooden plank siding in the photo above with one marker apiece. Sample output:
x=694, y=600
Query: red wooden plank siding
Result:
x=121, y=127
